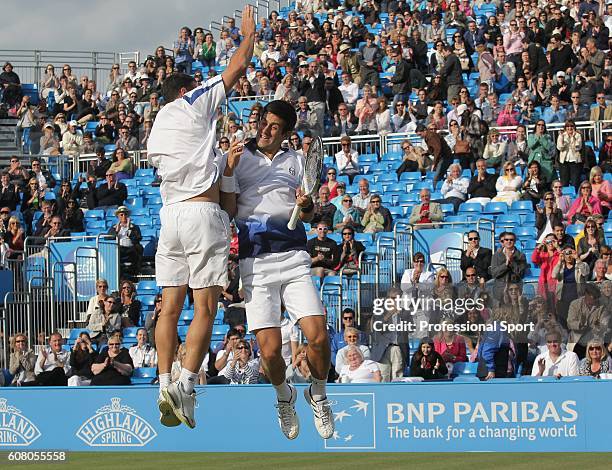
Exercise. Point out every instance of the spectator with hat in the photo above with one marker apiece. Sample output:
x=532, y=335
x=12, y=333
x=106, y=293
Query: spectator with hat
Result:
x=129, y=237
x=349, y=62
x=72, y=140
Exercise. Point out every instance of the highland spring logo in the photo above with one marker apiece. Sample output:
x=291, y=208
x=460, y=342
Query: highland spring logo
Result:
x=116, y=425
x=15, y=429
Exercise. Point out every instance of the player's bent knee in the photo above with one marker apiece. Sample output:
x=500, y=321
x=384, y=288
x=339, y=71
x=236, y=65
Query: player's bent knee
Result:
x=320, y=341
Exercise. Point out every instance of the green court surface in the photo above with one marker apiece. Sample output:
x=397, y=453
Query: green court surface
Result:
x=352, y=461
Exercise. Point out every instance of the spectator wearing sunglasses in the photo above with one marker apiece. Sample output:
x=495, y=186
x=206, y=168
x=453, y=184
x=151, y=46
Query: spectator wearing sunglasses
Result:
x=323, y=252
x=22, y=361
x=242, y=369
x=477, y=257
x=104, y=321
x=113, y=366
x=350, y=249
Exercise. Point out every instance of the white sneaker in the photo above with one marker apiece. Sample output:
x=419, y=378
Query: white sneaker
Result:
x=181, y=403
x=322, y=413
x=166, y=415
x=287, y=417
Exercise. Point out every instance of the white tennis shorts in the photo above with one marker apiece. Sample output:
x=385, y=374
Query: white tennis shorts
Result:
x=276, y=278
x=193, y=245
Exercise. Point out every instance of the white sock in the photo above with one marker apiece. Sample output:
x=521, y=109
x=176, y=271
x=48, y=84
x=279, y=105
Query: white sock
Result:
x=188, y=380
x=283, y=392
x=317, y=389
x=164, y=381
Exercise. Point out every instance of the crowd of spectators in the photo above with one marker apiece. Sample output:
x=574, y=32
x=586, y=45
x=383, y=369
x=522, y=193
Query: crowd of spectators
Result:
x=477, y=82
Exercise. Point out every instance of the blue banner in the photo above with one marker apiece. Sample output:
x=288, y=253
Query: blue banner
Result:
x=75, y=262
x=421, y=417
x=433, y=243
x=6, y=283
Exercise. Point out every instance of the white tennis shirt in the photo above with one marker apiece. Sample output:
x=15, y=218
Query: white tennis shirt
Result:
x=266, y=198
x=183, y=140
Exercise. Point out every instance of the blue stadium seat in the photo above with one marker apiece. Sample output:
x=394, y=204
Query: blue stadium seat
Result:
x=495, y=208
x=147, y=300
x=423, y=185
x=526, y=232
x=92, y=225
x=335, y=236
x=396, y=187
x=465, y=368
x=469, y=207
x=392, y=177
x=140, y=211
x=569, y=191
x=145, y=372
x=182, y=331
x=147, y=285
x=142, y=172
x=220, y=330
x=91, y=126
x=448, y=209
x=331, y=280
x=574, y=230
x=522, y=206
x=94, y=214
x=153, y=201
x=363, y=237
x=410, y=176
x=142, y=221
x=135, y=201
x=186, y=316
x=508, y=219
x=130, y=332
x=396, y=211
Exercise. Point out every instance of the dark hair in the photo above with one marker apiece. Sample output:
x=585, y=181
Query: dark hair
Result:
x=233, y=332
x=431, y=357
x=173, y=84
x=283, y=110
x=592, y=290
x=536, y=163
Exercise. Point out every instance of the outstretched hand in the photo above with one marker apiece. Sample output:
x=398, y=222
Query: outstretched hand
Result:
x=247, y=25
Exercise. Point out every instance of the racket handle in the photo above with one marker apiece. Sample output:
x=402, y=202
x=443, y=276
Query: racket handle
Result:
x=295, y=216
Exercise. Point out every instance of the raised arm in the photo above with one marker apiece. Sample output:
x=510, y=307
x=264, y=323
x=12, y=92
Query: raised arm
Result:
x=242, y=57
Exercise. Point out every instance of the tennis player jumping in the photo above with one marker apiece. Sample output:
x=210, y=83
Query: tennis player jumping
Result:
x=260, y=188
x=194, y=239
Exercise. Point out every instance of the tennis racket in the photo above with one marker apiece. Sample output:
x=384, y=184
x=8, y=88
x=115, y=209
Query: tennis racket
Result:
x=312, y=177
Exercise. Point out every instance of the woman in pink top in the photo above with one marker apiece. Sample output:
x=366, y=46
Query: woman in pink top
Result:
x=365, y=110
x=508, y=116
x=546, y=256
x=602, y=189
x=450, y=345
x=584, y=206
